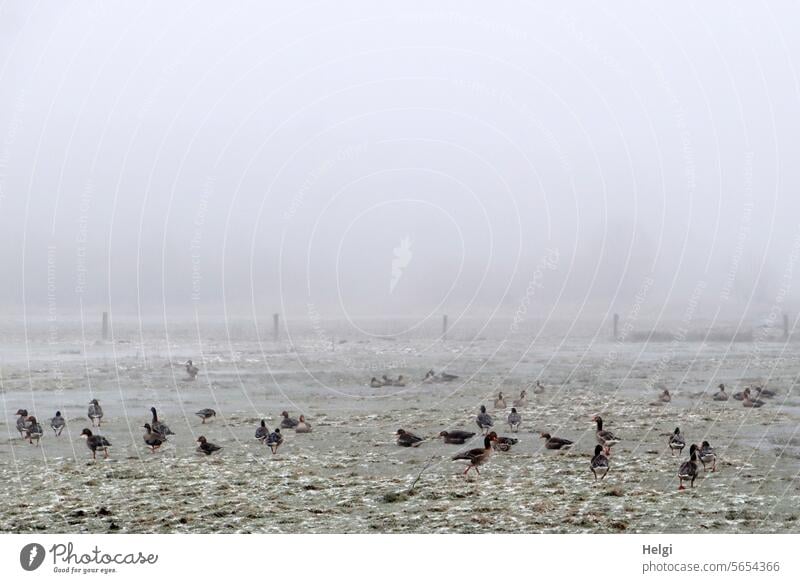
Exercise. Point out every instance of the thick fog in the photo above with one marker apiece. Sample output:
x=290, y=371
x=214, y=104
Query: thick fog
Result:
x=366, y=159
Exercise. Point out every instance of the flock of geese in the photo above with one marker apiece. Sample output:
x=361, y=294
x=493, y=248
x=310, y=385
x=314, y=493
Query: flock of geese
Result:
x=157, y=432
x=702, y=455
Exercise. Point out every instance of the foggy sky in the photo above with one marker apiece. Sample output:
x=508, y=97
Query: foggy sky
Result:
x=262, y=157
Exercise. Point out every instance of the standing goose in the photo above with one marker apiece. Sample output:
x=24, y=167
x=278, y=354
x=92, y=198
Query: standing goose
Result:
x=407, y=439
x=676, y=441
x=456, y=437
x=556, y=442
x=604, y=437
x=302, y=426
x=152, y=439
x=95, y=442
x=522, y=402
x=206, y=414
x=191, y=370
x=22, y=422
x=707, y=456
x=514, y=419
x=478, y=456
x=206, y=446
x=720, y=395
x=95, y=413
x=275, y=440
x=484, y=420
x=262, y=432
x=688, y=470
x=499, y=402
x=58, y=423
x=158, y=426
x=599, y=463
x=34, y=430
x=288, y=422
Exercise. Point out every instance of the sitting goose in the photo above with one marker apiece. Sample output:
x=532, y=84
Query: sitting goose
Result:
x=206, y=414
x=95, y=442
x=158, y=426
x=262, y=433
x=514, y=419
x=95, y=413
x=456, y=437
x=504, y=443
x=750, y=403
x=762, y=392
x=58, y=423
x=523, y=399
x=556, y=442
x=739, y=396
x=152, y=440
x=288, y=422
x=375, y=383
x=707, y=456
x=478, y=456
x=302, y=426
x=400, y=382
x=206, y=446
x=275, y=440
x=499, y=402
x=604, y=437
x=22, y=422
x=720, y=395
x=599, y=463
x=676, y=441
x=688, y=470
x=538, y=387
x=407, y=439
x=33, y=430
x=484, y=420
x=191, y=370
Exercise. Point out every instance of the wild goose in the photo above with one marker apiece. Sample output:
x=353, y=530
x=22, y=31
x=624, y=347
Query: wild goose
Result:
x=688, y=470
x=33, y=430
x=456, y=437
x=484, y=420
x=599, y=463
x=158, y=426
x=375, y=383
x=152, y=440
x=720, y=395
x=22, y=422
x=707, y=456
x=262, y=432
x=514, y=419
x=95, y=442
x=58, y=423
x=288, y=422
x=191, y=370
x=676, y=441
x=95, y=413
x=407, y=439
x=556, y=442
x=504, y=443
x=275, y=440
x=206, y=446
x=750, y=403
x=302, y=426
x=523, y=399
x=499, y=402
x=206, y=414
x=400, y=382
x=604, y=437
x=478, y=456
